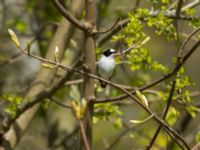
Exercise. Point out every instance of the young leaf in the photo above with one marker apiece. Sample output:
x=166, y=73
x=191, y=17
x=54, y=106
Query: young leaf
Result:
x=14, y=37
x=141, y=121
x=48, y=66
x=142, y=98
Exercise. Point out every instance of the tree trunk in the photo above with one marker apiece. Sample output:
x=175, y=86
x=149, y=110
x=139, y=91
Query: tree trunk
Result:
x=90, y=67
x=43, y=79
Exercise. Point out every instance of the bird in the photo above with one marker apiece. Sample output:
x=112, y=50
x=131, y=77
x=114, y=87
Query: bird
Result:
x=106, y=65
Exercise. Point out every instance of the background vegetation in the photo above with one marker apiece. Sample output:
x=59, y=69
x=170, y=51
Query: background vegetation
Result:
x=50, y=96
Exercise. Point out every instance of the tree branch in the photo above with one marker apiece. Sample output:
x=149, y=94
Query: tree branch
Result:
x=160, y=121
x=107, y=30
x=176, y=68
x=170, y=14
x=164, y=115
x=59, y=103
x=90, y=68
x=43, y=79
x=166, y=127
x=72, y=19
x=83, y=133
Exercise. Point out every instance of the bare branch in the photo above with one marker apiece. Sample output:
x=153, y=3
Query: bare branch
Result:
x=72, y=19
x=59, y=103
x=166, y=127
x=109, y=29
x=108, y=35
x=133, y=46
x=160, y=121
x=179, y=7
x=164, y=115
x=85, y=140
x=193, y=4
x=74, y=82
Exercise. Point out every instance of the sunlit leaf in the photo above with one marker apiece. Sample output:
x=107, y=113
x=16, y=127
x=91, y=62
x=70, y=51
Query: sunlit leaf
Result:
x=14, y=37
x=142, y=98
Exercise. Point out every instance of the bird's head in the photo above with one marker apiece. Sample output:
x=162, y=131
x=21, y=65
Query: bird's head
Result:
x=109, y=52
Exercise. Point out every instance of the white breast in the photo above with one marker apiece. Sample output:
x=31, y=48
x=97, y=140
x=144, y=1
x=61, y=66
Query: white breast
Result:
x=106, y=66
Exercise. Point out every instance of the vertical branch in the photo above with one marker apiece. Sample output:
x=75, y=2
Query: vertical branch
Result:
x=90, y=67
x=82, y=130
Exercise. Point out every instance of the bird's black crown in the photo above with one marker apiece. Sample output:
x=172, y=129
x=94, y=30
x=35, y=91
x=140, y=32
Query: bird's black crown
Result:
x=108, y=52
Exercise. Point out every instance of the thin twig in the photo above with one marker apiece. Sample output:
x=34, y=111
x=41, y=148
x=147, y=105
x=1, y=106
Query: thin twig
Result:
x=17, y=56
x=74, y=82
x=166, y=127
x=81, y=25
x=170, y=14
x=59, y=103
x=176, y=68
x=133, y=46
x=163, y=116
x=193, y=4
x=8, y=121
x=104, y=38
x=123, y=133
x=82, y=129
x=109, y=29
x=160, y=121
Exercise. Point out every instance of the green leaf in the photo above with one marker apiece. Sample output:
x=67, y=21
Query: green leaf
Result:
x=14, y=101
x=191, y=110
x=172, y=115
x=107, y=111
x=142, y=98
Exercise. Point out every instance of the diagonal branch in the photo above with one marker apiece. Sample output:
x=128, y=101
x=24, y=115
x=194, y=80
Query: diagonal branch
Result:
x=160, y=121
x=166, y=127
x=170, y=14
x=59, y=103
x=109, y=29
x=72, y=19
x=164, y=115
x=176, y=68
x=102, y=39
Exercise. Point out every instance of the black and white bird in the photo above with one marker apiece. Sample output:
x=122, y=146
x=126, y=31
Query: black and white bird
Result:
x=106, y=65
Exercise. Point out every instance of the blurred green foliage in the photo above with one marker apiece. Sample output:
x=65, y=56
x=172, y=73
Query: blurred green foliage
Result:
x=138, y=60
x=13, y=102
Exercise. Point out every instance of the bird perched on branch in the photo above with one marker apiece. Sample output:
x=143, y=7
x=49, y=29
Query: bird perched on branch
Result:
x=106, y=65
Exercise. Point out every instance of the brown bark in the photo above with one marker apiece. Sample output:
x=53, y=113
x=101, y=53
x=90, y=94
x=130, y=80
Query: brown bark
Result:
x=43, y=79
x=90, y=67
